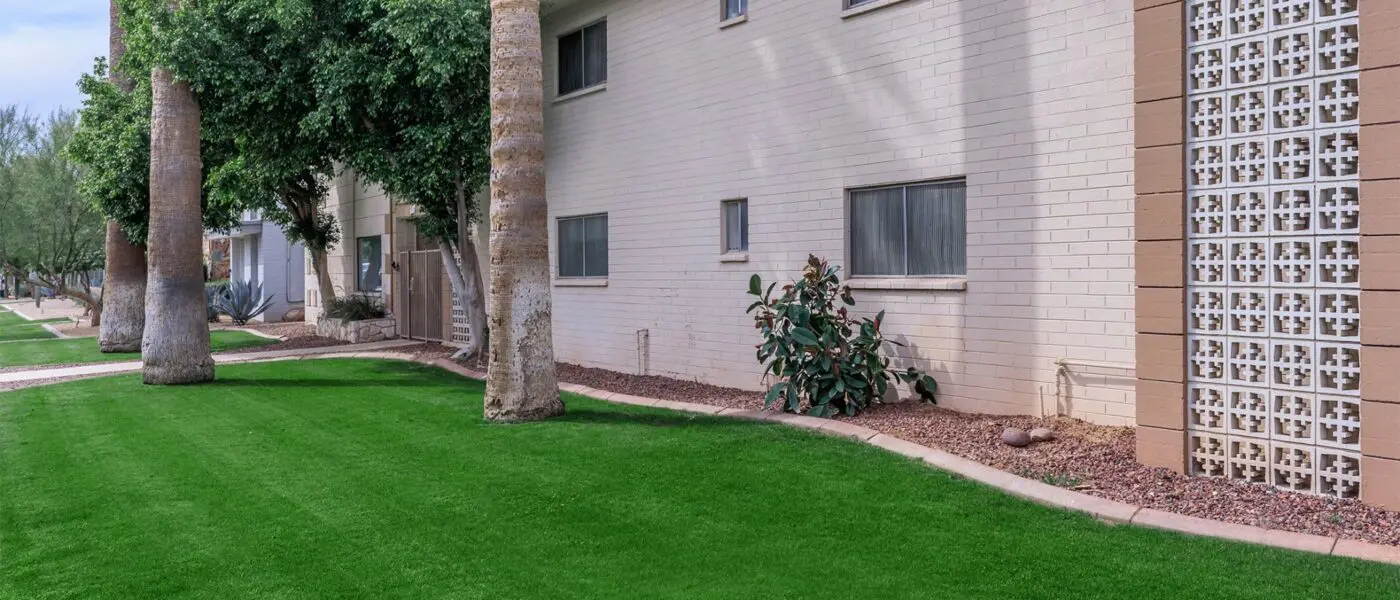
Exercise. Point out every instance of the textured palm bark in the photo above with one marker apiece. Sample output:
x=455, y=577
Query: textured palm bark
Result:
x=123, y=294
x=520, y=382
x=123, y=313
x=175, y=348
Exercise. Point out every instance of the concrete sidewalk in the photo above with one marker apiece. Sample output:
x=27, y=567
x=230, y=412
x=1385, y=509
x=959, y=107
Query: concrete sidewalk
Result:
x=41, y=374
x=51, y=308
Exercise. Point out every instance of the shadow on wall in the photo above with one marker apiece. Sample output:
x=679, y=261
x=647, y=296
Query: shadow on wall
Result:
x=995, y=100
x=993, y=96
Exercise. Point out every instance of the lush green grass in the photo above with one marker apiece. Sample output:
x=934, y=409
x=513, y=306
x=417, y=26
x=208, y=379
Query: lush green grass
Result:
x=365, y=479
x=13, y=327
x=11, y=318
x=84, y=350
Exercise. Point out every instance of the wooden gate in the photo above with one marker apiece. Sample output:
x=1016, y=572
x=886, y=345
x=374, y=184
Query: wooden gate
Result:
x=420, y=297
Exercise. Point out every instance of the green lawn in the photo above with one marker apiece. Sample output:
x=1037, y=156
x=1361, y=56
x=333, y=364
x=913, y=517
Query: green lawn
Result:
x=84, y=350
x=13, y=327
x=369, y=479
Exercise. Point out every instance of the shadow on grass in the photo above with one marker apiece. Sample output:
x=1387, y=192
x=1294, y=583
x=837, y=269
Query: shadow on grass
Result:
x=304, y=382
x=649, y=419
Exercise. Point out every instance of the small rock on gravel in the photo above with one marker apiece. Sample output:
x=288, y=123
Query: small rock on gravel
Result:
x=1041, y=434
x=1016, y=437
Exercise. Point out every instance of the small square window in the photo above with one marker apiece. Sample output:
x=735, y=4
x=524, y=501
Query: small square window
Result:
x=583, y=246
x=733, y=9
x=736, y=225
x=583, y=58
x=369, y=260
x=917, y=230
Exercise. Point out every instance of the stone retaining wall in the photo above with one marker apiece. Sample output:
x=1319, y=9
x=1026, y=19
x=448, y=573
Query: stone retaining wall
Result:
x=357, y=332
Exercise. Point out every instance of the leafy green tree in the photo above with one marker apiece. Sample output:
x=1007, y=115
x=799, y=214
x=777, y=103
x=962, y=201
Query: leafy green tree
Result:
x=113, y=144
x=402, y=86
x=18, y=130
x=251, y=63
x=52, y=236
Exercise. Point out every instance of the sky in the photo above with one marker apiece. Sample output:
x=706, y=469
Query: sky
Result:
x=44, y=46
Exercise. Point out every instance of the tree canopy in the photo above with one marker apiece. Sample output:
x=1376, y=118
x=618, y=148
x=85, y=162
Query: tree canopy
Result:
x=404, y=89
x=113, y=144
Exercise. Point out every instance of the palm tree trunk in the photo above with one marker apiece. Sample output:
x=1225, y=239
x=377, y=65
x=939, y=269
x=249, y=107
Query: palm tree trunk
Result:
x=175, y=348
x=123, y=313
x=123, y=294
x=520, y=382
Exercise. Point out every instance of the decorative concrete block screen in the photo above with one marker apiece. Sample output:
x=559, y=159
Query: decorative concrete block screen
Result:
x=1273, y=293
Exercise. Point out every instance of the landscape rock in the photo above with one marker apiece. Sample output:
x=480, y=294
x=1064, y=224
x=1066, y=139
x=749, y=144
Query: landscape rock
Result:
x=294, y=315
x=1041, y=434
x=1016, y=437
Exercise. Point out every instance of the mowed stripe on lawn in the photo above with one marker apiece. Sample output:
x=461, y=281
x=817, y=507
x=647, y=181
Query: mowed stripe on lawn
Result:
x=84, y=350
x=376, y=479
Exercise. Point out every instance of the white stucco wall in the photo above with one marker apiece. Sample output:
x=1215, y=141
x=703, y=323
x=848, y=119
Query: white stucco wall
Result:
x=279, y=265
x=1030, y=100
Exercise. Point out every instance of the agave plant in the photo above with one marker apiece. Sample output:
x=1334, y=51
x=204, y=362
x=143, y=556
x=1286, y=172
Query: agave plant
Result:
x=243, y=302
x=213, y=292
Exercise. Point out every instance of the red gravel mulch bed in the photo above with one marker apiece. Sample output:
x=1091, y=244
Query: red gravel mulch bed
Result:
x=1092, y=459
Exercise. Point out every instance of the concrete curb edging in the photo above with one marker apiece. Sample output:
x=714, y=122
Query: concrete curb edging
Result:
x=1041, y=493
x=54, y=375
x=253, y=332
x=16, y=311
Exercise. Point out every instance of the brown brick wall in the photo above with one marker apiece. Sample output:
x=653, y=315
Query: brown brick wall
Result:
x=1380, y=253
x=1159, y=132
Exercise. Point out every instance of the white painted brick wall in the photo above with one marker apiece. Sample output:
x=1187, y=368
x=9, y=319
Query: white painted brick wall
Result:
x=1030, y=100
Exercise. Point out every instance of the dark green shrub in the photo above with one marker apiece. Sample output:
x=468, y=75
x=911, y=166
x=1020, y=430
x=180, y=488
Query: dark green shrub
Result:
x=355, y=308
x=820, y=354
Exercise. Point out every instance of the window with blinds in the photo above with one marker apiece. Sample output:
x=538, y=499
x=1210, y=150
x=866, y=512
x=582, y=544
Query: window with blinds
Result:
x=736, y=225
x=916, y=230
x=733, y=9
x=583, y=58
x=583, y=246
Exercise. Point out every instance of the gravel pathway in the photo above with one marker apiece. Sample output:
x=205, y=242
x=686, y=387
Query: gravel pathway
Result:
x=1092, y=459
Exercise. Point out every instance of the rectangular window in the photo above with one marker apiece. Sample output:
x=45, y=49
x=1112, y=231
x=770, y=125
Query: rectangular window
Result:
x=916, y=230
x=855, y=3
x=369, y=258
x=583, y=246
x=583, y=58
x=734, y=9
x=736, y=225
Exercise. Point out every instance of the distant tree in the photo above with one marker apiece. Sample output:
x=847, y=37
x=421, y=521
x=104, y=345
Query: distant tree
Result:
x=52, y=237
x=18, y=131
x=402, y=86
